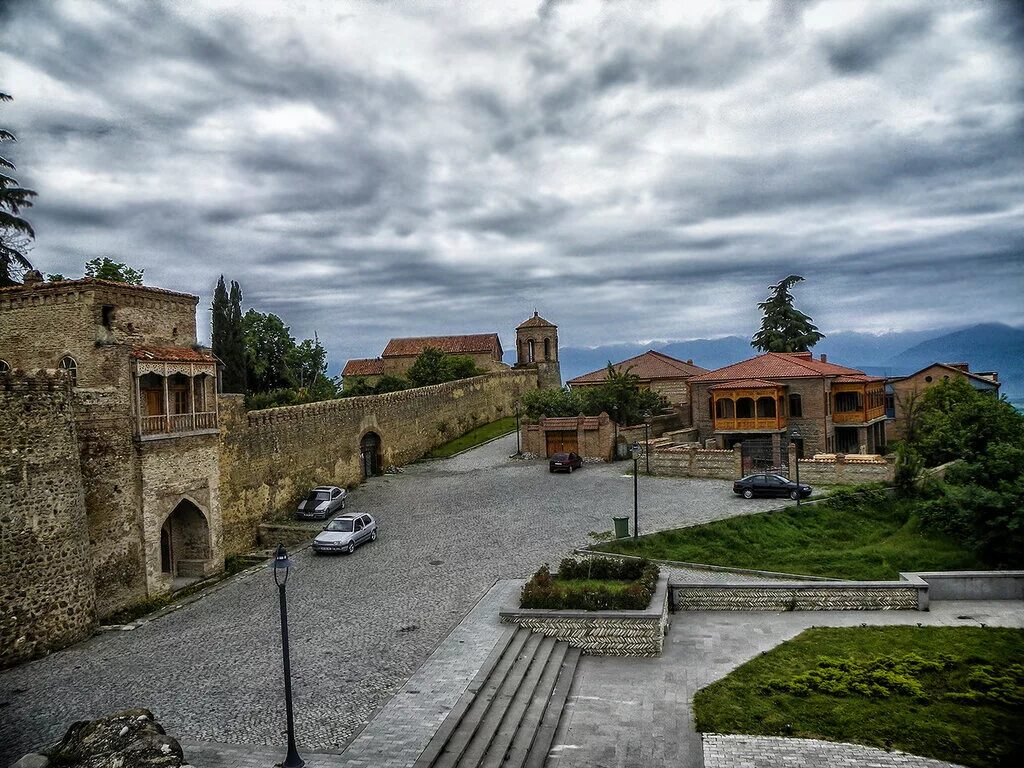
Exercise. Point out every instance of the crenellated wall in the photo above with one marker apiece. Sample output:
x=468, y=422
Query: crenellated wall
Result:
x=269, y=459
x=47, y=597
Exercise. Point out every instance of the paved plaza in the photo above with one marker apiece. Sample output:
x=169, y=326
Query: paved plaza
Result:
x=361, y=624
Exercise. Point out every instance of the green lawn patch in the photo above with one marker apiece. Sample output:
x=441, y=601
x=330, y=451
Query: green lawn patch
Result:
x=865, y=536
x=474, y=437
x=949, y=693
x=593, y=584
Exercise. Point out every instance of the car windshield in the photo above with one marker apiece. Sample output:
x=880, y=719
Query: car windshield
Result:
x=340, y=526
x=560, y=456
x=318, y=496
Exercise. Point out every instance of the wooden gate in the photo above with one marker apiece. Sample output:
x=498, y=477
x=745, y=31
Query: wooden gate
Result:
x=369, y=454
x=564, y=441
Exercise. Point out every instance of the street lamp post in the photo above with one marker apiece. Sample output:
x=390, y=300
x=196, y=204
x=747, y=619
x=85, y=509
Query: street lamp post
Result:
x=793, y=437
x=615, y=440
x=282, y=565
x=647, y=440
x=635, y=451
x=519, y=450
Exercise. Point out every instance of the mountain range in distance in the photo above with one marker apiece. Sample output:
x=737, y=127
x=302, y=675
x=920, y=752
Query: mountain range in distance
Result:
x=986, y=347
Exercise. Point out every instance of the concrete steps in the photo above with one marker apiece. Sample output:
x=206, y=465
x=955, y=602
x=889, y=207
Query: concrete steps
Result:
x=508, y=716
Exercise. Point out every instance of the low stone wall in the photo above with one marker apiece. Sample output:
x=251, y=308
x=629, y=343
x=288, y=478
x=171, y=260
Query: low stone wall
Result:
x=602, y=633
x=690, y=461
x=971, y=585
x=845, y=470
x=801, y=596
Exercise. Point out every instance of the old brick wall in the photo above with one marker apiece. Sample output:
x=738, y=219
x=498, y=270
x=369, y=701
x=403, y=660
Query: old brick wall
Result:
x=47, y=598
x=270, y=459
x=689, y=461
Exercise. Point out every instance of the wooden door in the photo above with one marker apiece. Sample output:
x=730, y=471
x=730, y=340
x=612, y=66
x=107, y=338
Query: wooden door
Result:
x=562, y=442
x=154, y=402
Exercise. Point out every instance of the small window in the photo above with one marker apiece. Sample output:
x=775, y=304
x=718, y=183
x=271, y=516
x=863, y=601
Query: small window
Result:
x=67, y=363
x=359, y=525
x=547, y=349
x=530, y=351
x=796, y=408
x=335, y=493
x=5, y=367
x=366, y=519
x=108, y=315
x=928, y=379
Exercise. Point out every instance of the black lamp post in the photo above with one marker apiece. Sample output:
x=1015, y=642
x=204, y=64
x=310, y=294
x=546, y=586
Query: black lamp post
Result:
x=281, y=567
x=519, y=450
x=635, y=451
x=647, y=440
x=793, y=437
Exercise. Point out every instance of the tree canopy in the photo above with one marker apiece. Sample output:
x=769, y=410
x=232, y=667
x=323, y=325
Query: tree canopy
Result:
x=433, y=366
x=784, y=328
x=16, y=232
x=620, y=396
x=115, y=271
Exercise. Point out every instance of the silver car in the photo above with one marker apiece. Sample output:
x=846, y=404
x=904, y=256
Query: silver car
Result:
x=345, y=533
x=322, y=502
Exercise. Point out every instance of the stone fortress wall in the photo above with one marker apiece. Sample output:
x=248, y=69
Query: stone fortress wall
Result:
x=47, y=593
x=269, y=459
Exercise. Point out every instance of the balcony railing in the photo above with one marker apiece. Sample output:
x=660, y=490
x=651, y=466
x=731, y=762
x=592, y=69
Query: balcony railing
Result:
x=761, y=422
x=164, y=424
x=860, y=416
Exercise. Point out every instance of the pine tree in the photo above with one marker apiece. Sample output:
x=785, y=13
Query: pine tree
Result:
x=228, y=339
x=784, y=328
x=15, y=231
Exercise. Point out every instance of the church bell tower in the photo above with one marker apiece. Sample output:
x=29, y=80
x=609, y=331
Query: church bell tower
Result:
x=537, y=347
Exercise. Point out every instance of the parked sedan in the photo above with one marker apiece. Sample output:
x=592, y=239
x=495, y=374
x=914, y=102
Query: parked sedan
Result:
x=345, y=533
x=770, y=485
x=321, y=503
x=564, y=462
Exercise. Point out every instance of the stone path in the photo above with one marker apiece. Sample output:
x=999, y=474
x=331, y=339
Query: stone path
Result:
x=361, y=625
x=638, y=713
x=774, y=752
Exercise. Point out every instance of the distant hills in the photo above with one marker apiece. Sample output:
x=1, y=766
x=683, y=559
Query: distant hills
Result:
x=987, y=347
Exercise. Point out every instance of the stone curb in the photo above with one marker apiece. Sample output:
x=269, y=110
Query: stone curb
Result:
x=774, y=575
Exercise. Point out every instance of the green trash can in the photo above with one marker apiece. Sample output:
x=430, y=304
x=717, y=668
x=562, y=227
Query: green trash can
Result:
x=621, y=527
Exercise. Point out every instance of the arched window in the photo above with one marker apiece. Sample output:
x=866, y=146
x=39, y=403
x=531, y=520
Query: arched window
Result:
x=5, y=367
x=796, y=408
x=724, y=409
x=530, y=356
x=766, y=407
x=745, y=408
x=67, y=363
x=547, y=349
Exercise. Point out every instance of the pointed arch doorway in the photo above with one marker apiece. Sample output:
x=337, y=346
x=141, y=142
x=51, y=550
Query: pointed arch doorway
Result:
x=185, y=546
x=369, y=454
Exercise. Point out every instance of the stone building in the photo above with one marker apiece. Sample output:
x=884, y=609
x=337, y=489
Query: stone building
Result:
x=143, y=407
x=537, y=347
x=484, y=349
x=762, y=399
x=901, y=390
x=661, y=373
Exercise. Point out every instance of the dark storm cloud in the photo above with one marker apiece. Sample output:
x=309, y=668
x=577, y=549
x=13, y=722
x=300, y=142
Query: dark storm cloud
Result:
x=400, y=170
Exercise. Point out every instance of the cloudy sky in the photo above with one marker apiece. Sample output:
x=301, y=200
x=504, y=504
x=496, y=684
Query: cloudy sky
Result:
x=634, y=172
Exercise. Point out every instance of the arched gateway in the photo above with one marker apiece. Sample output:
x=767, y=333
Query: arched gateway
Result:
x=185, y=546
x=369, y=454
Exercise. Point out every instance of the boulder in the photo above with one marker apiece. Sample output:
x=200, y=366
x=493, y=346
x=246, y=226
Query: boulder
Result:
x=128, y=739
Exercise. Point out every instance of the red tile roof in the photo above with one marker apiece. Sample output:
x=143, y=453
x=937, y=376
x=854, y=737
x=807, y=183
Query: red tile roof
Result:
x=649, y=366
x=777, y=365
x=87, y=282
x=373, y=366
x=536, y=322
x=746, y=384
x=476, y=343
x=173, y=354
x=856, y=379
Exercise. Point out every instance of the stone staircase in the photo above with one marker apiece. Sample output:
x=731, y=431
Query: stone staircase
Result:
x=508, y=716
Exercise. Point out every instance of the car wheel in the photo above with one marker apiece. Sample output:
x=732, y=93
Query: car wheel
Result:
x=748, y=494
x=373, y=535
x=794, y=495
x=351, y=547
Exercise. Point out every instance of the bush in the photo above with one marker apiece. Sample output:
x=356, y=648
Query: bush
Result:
x=629, y=585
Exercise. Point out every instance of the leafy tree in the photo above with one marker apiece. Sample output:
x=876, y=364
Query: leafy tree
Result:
x=433, y=366
x=390, y=383
x=784, y=328
x=15, y=231
x=620, y=396
x=552, y=402
x=55, y=277
x=116, y=271
x=308, y=363
x=268, y=344
x=228, y=338
x=357, y=386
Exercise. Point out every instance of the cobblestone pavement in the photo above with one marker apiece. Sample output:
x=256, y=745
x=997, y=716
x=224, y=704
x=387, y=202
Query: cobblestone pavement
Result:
x=775, y=752
x=638, y=713
x=360, y=624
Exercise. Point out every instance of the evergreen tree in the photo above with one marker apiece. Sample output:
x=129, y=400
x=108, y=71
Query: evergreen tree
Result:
x=228, y=340
x=15, y=231
x=784, y=327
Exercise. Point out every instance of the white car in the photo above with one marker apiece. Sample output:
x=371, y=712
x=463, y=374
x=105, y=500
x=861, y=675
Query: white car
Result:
x=345, y=533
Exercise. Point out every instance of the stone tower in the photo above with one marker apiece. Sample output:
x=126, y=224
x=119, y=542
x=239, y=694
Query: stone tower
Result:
x=537, y=347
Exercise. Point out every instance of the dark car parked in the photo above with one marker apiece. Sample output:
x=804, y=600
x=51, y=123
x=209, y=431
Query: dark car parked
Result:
x=564, y=462
x=770, y=485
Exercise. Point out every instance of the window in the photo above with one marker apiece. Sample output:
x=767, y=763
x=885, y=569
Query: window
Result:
x=5, y=367
x=67, y=363
x=547, y=349
x=928, y=379
x=180, y=397
x=359, y=524
x=796, y=408
x=335, y=494
x=766, y=407
x=745, y=408
x=366, y=519
x=724, y=409
x=529, y=351
x=108, y=315
x=849, y=402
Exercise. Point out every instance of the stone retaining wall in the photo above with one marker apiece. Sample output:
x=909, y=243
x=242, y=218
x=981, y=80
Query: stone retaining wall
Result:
x=602, y=633
x=690, y=461
x=797, y=596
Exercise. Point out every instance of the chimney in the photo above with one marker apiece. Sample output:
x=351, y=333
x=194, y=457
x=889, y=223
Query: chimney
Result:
x=32, y=277
x=824, y=357
x=690, y=361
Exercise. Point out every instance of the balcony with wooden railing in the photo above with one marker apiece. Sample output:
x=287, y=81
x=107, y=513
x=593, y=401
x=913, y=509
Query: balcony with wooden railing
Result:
x=857, y=403
x=173, y=423
x=748, y=409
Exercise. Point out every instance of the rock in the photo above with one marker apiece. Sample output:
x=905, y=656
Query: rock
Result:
x=32, y=760
x=127, y=739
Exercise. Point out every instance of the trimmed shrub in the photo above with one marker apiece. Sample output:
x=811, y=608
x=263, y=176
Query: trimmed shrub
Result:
x=628, y=585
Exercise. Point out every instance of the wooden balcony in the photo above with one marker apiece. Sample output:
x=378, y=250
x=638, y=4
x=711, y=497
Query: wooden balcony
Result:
x=177, y=423
x=772, y=423
x=862, y=416
x=857, y=403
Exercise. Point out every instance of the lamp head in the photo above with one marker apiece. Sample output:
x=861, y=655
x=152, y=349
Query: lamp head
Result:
x=282, y=565
x=635, y=450
x=795, y=434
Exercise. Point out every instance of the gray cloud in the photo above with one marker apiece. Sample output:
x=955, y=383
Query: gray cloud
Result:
x=632, y=172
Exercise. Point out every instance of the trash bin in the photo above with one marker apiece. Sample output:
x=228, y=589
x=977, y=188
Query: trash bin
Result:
x=621, y=527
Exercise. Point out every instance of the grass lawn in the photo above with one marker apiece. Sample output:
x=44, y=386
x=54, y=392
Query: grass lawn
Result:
x=950, y=693
x=474, y=437
x=871, y=537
